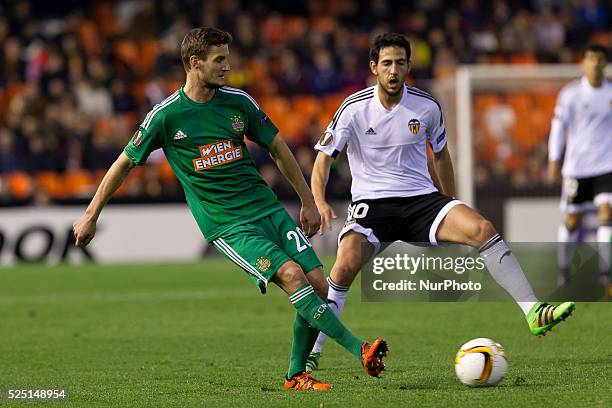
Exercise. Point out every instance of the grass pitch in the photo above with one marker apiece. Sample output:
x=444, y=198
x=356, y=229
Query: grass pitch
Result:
x=185, y=335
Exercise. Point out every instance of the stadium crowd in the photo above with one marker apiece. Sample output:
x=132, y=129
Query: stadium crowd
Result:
x=76, y=80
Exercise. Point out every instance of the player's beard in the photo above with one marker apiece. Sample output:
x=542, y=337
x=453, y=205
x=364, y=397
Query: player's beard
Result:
x=389, y=92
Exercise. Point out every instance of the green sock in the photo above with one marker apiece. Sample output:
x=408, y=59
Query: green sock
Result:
x=304, y=337
x=318, y=314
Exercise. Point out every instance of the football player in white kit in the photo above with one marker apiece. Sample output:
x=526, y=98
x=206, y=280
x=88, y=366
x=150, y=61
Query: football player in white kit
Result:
x=387, y=128
x=581, y=135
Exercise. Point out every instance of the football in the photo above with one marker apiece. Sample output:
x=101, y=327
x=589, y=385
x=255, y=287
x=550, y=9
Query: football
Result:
x=481, y=362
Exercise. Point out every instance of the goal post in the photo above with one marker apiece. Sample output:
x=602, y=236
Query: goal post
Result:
x=505, y=110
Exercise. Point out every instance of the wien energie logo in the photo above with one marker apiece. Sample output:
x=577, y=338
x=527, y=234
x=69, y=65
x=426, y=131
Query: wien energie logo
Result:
x=216, y=154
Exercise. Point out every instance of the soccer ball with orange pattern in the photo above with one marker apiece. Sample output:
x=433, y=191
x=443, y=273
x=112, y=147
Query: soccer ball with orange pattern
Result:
x=481, y=362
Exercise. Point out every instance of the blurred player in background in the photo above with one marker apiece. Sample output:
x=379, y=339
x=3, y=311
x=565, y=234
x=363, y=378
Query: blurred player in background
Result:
x=387, y=128
x=201, y=128
x=581, y=137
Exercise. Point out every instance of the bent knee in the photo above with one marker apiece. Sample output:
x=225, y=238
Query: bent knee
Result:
x=291, y=275
x=572, y=221
x=604, y=213
x=483, y=231
x=344, y=273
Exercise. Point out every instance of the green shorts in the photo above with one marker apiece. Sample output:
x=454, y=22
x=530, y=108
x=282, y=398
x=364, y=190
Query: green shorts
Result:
x=261, y=247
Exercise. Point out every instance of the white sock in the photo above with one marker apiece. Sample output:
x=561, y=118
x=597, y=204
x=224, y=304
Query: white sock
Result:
x=505, y=269
x=336, y=296
x=567, y=246
x=604, y=235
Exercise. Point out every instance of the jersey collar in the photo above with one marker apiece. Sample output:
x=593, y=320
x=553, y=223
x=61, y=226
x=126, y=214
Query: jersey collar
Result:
x=192, y=102
x=585, y=84
x=382, y=107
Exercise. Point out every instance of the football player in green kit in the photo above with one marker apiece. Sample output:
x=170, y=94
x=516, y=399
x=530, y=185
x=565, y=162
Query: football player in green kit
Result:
x=201, y=129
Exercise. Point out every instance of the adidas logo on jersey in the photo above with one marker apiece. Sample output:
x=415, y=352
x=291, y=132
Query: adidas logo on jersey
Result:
x=179, y=135
x=370, y=132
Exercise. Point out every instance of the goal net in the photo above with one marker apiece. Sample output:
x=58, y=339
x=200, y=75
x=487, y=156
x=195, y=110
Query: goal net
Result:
x=500, y=117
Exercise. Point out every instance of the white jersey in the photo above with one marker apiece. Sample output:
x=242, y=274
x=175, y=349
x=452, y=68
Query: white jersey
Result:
x=387, y=150
x=583, y=125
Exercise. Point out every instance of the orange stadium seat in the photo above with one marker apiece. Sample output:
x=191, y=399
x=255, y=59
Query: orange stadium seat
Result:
x=10, y=92
x=275, y=107
x=172, y=85
x=602, y=37
x=294, y=26
x=484, y=101
x=139, y=92
x=149, y=50
x=130, y=120
x=127, y=51
x=51, y=183
x=20, y=184
x=88, y=34
x=258, y=67
x=294, y=126
x=165, y=171
x=104, y=15
x=525, y=58
x=324, y=24
x=546, y=101
x=307, y=105
x=333, y=102
x=78, y=183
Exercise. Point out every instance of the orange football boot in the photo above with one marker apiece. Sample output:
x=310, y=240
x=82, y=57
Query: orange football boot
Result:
x=372, y=355
x=304, y=381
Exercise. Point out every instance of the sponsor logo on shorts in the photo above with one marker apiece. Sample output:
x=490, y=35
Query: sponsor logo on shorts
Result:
x=137, y=138
x=216, y=154
x=237, y=123
x=414, y=125
x=263, y=120
x=326, y=138
x=263, y=264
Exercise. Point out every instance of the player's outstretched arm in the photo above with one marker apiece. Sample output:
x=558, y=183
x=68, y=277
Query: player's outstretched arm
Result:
x=284, y=159
x=320, y=176
x=446, y=174
x=85, y=227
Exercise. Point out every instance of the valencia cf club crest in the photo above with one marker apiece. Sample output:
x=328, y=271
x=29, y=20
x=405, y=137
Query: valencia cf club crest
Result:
x=414, y=125
x=137, y=138
x=237, y=123
x=326, y=139
x=263, y=264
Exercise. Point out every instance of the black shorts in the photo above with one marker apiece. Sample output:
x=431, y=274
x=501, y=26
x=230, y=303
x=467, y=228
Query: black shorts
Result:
x=579, y=192
x=411, y=219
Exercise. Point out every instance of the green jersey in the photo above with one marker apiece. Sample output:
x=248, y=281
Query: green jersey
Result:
x=204, y=144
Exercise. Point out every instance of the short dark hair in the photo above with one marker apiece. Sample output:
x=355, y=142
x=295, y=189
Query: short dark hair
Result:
x=197, y=41
x=593, y=47
x=389, y=40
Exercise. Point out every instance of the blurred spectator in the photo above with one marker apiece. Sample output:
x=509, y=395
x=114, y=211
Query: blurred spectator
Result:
x=291, y=79
x=73, y=90
x=323, y=77
x=10, y=160
x=549, y=33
